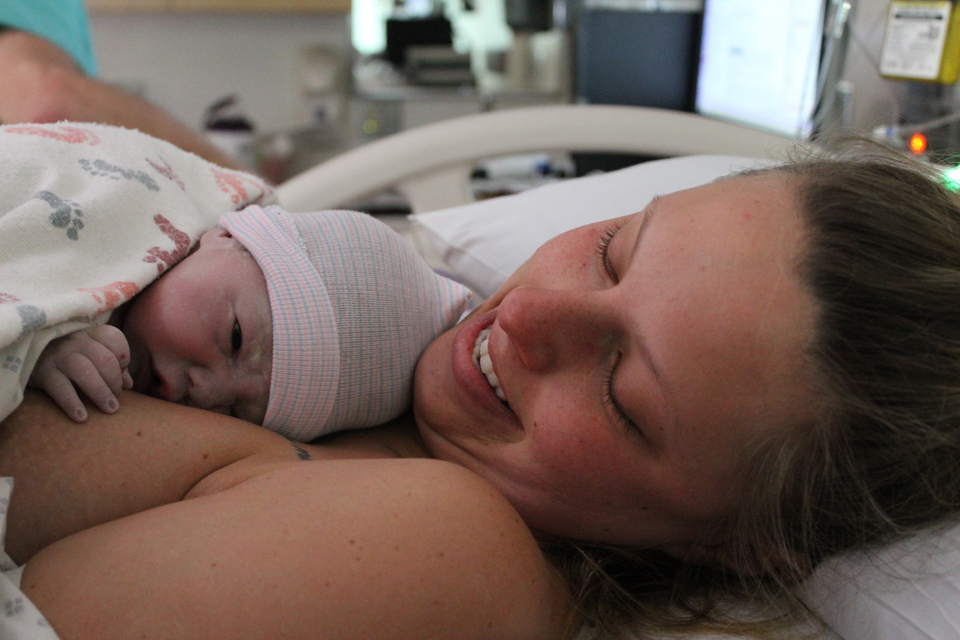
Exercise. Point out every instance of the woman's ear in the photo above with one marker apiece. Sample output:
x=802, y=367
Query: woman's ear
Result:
x=789, y=566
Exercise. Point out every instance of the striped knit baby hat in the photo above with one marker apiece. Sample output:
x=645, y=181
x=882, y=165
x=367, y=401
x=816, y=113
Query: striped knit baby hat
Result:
x=353, y=306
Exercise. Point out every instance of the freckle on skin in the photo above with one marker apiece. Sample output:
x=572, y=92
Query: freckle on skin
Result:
x=206, y=455
x=139, y=433
x=353, y=542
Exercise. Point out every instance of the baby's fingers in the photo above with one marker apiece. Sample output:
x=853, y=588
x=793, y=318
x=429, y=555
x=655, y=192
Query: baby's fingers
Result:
x=81, y=370
x=91, y=351
x=60, y=388
x=114, y=341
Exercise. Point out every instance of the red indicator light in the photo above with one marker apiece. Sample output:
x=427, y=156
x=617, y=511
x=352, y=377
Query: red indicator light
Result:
x=918, y=143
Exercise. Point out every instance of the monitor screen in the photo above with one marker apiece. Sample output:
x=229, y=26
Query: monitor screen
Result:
x=759, y=61
x=633, y=57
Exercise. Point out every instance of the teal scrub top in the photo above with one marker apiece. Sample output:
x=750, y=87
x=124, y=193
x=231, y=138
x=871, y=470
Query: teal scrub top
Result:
x=62, y=22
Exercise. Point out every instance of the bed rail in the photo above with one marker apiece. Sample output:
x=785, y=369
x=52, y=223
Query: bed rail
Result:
x=430, y=165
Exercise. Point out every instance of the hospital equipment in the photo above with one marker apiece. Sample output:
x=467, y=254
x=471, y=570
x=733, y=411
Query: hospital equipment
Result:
x=761, y=62
x=909, y=590
x=638, y=53
x=922, y=41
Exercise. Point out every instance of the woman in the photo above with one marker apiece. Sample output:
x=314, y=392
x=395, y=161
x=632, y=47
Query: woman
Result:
x=709, y=397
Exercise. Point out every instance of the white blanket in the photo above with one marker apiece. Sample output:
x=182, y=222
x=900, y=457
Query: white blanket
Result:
x=19, y=617
x=89, y=216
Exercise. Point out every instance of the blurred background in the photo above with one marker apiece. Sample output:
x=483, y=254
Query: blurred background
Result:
x=283, y=84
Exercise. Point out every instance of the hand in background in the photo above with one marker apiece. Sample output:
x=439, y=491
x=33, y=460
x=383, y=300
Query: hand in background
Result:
x=93, y=359
x=40, y=82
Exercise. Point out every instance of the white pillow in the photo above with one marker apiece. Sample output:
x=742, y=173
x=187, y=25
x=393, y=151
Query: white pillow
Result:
x=486, y=241
x=909, y=590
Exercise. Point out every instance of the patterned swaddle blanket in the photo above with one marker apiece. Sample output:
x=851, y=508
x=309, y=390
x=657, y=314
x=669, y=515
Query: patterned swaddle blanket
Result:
x=19, y=617
x=89, y=216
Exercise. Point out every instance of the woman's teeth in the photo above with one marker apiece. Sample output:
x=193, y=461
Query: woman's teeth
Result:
x=481, y=358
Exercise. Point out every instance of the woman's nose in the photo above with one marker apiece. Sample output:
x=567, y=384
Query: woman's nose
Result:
x=207, y=390
x=551, y=326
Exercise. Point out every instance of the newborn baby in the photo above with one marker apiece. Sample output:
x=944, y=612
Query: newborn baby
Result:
x=119, y=268
x=305, y=323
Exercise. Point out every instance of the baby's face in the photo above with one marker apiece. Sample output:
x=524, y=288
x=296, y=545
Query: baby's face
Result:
x=202, y=334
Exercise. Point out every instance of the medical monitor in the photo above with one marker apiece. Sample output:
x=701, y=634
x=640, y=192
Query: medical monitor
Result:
x=629, y=53
x=759, y=61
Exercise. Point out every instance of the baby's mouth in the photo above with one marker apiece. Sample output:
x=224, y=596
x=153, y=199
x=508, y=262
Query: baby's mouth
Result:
x=142, y=372
x=481, y=359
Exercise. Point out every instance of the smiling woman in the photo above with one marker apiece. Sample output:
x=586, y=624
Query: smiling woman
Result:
x=679, y=412
x=636, y=357
x=784, y=363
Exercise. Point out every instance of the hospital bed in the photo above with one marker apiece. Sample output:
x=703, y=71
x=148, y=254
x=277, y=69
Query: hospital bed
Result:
x=431, y=165
x=908, y=591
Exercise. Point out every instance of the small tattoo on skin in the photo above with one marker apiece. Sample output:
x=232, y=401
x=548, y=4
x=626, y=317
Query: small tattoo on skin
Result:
x=302, y=453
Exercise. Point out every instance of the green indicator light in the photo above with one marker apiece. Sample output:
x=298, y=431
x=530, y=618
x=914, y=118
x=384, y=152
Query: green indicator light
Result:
x=951, y=178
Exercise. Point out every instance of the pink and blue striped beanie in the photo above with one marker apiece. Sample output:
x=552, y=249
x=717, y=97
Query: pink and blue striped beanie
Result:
x=353, y=306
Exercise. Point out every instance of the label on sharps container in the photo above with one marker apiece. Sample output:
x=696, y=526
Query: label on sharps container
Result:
x=913, y=43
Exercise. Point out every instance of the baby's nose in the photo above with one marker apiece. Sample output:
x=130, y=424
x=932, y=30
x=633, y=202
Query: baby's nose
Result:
x=210, y=391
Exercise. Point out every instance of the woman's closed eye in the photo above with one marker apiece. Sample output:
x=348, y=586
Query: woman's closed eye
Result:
x=610, y=399
x=603, y=248
x=236, y=337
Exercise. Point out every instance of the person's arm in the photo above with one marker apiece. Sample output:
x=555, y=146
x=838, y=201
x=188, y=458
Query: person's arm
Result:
x=346, y=549
x=39, y=82
x=69, y=477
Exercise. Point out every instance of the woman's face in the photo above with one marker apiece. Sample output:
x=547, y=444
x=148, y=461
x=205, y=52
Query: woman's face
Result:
x=634, y=375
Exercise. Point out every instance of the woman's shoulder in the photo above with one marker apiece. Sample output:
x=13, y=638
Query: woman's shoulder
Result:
x=446, y=540
x=401, y=548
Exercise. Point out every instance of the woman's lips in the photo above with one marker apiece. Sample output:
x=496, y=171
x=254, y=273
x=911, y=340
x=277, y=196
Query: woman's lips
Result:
x=469, y=378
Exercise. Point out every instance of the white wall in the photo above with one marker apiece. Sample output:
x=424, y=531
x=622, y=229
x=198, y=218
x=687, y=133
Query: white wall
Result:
x=185, y=62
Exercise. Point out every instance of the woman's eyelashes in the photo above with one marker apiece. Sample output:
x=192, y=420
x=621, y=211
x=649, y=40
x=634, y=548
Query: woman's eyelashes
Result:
x=609, y=395
x=610, y=399
x=236, y=337
x=603, y=249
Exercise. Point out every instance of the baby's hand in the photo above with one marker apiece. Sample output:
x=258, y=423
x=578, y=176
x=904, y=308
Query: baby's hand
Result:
x=94, y=359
